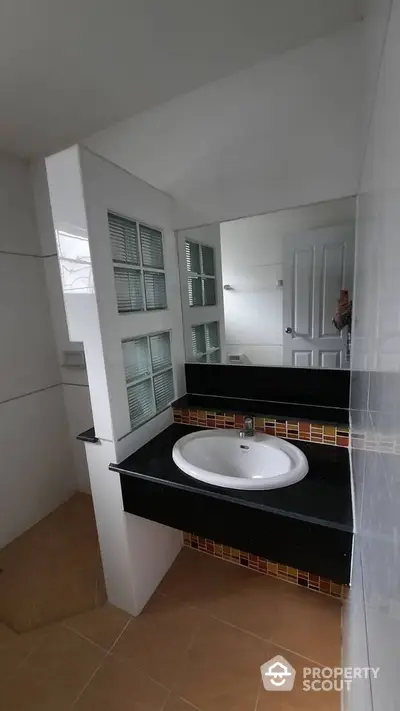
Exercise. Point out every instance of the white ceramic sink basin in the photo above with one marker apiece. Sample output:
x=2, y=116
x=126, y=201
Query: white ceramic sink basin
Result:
x=222, y=458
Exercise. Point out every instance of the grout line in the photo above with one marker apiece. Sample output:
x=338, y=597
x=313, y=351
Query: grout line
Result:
x=82, y=636
x=266, y=575
x=268, y=640
x=126, y=625
x=166, y=700
x=189, y=703
x=108, y=653
x=260, y=686
x=75, y=385
x=85, y=686
x=23, y=661
x=22, y=254
x=33, y=392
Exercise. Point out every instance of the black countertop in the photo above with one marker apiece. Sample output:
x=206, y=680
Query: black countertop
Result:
x=266, y=408
x=88, y=436
x=322, y=497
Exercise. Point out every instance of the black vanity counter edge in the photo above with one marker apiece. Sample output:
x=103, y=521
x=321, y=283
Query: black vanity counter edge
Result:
x=308, y=525
x=88, y=436
x=265, y=408
x=316, y=499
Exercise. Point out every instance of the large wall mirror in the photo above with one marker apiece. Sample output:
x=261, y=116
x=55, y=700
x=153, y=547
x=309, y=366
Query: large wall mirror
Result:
x=273, y=289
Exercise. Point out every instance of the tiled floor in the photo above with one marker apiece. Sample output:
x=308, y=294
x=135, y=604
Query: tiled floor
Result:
x=52, y=570
x=198, y=644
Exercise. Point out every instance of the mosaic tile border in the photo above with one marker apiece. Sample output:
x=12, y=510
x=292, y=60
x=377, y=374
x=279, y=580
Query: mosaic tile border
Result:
x=287, y=429
x=266, y=567
x=375, y=442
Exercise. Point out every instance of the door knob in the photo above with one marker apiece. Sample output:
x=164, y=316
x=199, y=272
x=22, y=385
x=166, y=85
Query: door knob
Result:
x=288, y=329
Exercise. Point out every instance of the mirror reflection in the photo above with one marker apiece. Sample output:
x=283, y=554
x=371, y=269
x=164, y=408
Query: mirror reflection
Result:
x=274, y=289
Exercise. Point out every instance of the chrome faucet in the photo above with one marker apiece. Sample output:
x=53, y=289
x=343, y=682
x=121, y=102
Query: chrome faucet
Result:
x=248, y=429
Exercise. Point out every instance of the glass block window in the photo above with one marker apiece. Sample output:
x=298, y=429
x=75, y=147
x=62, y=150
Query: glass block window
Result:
x=200, y=265
x=205, y=343
x=148, y=375
x=138, y=258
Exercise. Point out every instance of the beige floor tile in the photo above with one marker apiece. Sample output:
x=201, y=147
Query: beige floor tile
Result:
x=14, y=649
x=53, y=570
x=54, y=674
x=157, y=640
x=221, y=671
x=309, y=624
x=297, y=699
x=176, y=704
x=117, y=686
x=65, y=590
x=102, y=625
x=301, y=620
x=201, y=580
x=252, y=604
x=30, y=695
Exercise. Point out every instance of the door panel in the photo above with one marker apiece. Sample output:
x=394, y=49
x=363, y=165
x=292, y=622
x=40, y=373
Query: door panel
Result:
x=302, y=359
x=303, y=289
x=330, y=359
x=332, y=277
x=316, y=266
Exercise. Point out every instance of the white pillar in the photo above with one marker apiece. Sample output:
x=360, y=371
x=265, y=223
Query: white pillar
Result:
x=135, y=552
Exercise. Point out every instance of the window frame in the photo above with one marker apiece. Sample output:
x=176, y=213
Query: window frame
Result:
x=208, y=351
x=140, y=267
x=151, y=375
x=201, y=274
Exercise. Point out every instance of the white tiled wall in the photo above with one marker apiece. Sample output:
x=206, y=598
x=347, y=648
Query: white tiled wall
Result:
x=83, y=187
x=74, y=381
x=372, y=622
x=36, y=466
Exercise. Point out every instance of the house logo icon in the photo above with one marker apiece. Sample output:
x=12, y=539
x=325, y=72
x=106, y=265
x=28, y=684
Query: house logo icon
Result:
x=278, y=675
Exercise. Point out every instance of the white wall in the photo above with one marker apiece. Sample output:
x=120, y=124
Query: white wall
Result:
x=74, y=381
x=372, y=623
x=36, y=466
x=83, y=187
x=252, y=254
x=283, y=133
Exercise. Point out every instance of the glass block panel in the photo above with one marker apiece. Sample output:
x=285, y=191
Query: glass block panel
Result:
x=207, y=254
x=155, y=290
x=210, y=296
x=160, y=346
x=198, y=340
x=195, y=291
x=128, y=285
x=141, y=402
x=193, y=257
x=163, y=389
x=152, y=247
x=136, y=358
x=214, y=357
x=212, y=335
x=124, y=239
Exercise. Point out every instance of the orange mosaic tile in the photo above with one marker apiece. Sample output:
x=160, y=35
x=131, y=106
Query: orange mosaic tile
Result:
x=266, y=567
x=287, y=429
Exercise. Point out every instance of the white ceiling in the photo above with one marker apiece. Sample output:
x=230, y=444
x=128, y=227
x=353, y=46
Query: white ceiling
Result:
x=71, y=67
x=282, y=133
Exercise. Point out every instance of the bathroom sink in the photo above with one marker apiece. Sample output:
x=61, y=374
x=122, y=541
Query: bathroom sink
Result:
x=222, y=458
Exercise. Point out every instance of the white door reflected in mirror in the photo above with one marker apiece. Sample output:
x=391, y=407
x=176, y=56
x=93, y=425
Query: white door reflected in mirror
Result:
x=263, y=290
